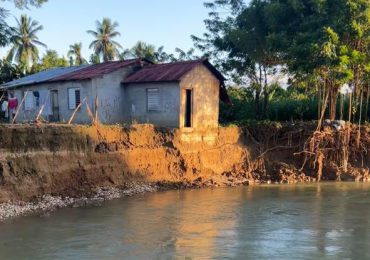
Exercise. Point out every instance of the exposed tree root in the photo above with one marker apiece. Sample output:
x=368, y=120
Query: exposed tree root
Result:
x=288, y=154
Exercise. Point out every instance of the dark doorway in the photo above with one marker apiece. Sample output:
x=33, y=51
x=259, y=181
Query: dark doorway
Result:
x=54, y=106
x=188, y=108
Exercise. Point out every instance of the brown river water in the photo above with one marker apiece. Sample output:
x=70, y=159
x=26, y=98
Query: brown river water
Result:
x=315, y=221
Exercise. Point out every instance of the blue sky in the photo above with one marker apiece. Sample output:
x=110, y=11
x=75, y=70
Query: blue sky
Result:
x=160, y=22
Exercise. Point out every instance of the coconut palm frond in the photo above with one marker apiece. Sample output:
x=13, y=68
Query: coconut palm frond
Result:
x=24, y=42
x=103, y=45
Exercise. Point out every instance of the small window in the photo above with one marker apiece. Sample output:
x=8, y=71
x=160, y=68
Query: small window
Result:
x=74, y=98
x=153, y=99
x=36, y=96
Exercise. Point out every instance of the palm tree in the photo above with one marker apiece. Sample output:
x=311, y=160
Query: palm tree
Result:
x=186, y=55
x=24, y=42
x=104, y=45
x=141, y=50
x=147, y=51
x=4, y=30
x=75, y=51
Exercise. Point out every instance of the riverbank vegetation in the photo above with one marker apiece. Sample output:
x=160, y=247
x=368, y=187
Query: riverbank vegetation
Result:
x=292, y=59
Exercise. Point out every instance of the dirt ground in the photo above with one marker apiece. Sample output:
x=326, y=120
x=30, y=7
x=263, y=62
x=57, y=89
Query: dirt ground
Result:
x=74, y=161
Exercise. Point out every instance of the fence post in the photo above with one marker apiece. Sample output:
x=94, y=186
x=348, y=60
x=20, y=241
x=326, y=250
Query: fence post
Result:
x=19, y=107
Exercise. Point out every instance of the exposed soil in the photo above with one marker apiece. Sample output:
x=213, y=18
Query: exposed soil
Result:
x=77, y=161
x=291, y=153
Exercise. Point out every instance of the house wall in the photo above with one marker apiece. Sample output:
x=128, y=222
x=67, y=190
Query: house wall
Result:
x=205, y=103
x=64, y=111
x=108, y=88
x=169, y=100
x=111, y=96
x=127, y=104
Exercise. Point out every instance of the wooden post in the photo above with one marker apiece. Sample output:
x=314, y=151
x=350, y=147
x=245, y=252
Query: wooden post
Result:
x=1, y=98
x=19, y=106
x=42, y=107
x=89, y=112
x=75, y=111
x=96, y=109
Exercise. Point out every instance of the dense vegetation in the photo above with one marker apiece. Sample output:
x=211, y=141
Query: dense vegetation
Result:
x=322, y=48
x=285, y=59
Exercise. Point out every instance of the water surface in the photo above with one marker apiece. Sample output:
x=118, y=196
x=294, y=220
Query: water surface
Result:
x=326, y=221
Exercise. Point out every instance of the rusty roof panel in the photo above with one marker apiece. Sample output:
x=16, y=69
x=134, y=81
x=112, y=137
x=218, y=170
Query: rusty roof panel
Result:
x=96, y=70
x=168, y=72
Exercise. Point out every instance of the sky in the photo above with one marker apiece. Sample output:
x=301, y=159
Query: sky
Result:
x=167, y=23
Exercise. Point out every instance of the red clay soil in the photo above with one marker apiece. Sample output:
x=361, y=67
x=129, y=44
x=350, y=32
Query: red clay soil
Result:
x=76, y=160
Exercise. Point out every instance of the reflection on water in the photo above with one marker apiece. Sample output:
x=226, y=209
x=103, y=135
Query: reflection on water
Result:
x=323, y=221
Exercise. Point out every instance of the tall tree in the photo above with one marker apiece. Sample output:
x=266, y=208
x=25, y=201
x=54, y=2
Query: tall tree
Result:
x=239, y=42
x=8, y=72
x=104, y=44
x=321, y=38
x=76, y=54
x=327, y=40
x=24, y=42
x=50, y=60
x=4, y=28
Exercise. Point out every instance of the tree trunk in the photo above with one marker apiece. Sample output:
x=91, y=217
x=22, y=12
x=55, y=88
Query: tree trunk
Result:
x=323, y=110
x=367, y=103
x=265, y=93
x=265, y=103
x=257, y=104
x=350, y=107
x=318, y=101
x=341, y=106
x=333, y=102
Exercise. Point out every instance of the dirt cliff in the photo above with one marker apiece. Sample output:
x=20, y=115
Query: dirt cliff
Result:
x=74, y=161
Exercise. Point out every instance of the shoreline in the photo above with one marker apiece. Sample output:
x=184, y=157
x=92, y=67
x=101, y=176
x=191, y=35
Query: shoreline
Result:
x=48, y=203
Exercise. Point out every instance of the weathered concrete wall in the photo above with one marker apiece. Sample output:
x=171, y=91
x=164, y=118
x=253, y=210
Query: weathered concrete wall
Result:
x=112, y=101
x=136, y=104
x=64, y=111
x=108, y=88
x=205, y=88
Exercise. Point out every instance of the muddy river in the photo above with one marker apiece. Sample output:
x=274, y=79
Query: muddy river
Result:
x=326, y=221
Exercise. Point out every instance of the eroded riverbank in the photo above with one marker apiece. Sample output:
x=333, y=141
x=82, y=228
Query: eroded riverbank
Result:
x=52, y=166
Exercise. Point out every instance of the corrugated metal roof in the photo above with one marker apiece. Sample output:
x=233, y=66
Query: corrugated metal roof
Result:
x=41, y=77
x=96, y=70
x=169, y=72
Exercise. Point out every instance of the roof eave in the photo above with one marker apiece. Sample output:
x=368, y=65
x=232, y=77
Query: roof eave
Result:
x=149, y=82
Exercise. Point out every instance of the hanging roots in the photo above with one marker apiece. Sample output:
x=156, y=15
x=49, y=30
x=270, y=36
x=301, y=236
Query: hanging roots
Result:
x=331, y=148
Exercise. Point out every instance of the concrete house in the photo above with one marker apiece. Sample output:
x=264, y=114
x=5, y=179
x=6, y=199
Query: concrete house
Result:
x=181, y=94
